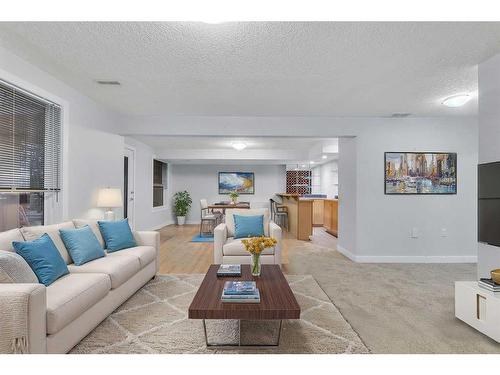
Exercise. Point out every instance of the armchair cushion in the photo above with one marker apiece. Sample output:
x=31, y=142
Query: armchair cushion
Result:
x=233, y=246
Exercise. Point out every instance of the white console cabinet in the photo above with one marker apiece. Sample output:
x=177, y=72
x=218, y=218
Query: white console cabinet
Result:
x=478, y=307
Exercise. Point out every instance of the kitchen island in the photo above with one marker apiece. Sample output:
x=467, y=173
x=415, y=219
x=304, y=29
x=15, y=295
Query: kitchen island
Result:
x=300, y=215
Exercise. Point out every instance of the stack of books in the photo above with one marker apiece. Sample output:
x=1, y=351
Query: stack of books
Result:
x=240, y=292
x=229, y=270
x=489, y=284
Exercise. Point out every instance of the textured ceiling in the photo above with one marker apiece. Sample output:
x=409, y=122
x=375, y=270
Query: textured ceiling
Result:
x=263, y=69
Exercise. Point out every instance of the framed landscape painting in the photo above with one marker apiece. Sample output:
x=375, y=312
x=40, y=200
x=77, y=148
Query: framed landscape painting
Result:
x=241, y=182
x=420, y=173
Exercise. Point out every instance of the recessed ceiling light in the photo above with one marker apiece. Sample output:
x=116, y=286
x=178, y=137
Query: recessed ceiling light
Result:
x=456, y=100
x=324, y=157
x=303, y=166
x=311, y=162
x=239, y=145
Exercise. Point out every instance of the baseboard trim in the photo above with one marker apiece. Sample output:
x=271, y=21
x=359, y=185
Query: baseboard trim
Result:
x=406, y=259
x=347, y=253
x=169, y=222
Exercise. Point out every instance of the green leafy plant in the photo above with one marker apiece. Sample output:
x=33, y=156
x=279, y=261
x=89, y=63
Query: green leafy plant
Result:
x=182, y=203
x=233, y=195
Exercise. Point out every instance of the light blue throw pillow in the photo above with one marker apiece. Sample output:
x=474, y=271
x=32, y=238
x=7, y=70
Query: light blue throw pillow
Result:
x=82, y=244
x=43, y=258
x=117, y=235
x=248, y=226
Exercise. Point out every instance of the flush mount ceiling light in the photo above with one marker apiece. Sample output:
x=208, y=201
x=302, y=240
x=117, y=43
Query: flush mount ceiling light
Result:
x=108, y=82
x=239, y=145
x=311, y=162
x=324, y=157
x=456, y=100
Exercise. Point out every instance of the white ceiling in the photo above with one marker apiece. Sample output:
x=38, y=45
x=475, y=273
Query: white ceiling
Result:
x=253, y=143
x=262, y=68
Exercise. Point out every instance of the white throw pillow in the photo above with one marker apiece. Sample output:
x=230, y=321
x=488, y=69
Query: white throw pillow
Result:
x=14, y=269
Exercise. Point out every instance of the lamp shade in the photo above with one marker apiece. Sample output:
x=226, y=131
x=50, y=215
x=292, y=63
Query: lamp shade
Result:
x=110, y=197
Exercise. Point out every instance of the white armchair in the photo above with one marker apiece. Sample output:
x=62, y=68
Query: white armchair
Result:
x=229, y=250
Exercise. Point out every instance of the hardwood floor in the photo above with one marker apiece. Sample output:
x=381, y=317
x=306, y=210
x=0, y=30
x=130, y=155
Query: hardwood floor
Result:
x=179, y=255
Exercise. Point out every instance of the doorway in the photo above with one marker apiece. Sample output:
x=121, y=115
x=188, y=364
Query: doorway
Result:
x=129, y=186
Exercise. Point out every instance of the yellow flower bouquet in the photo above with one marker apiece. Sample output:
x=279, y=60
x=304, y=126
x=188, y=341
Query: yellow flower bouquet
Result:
x=255, y=246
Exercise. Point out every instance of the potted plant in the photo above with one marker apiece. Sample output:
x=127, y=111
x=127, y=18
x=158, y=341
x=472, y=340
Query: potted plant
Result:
x=234, y=196
x=182, y=204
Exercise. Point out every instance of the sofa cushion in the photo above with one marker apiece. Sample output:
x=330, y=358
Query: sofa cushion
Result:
x=119, y=268
x=43, y=258
x=72, y=295
x=145, y=254
x=93, y=225
x=32, y=233
x=6, y=239
x=14, y=269
x=245, y=212
x=117, y=234
x=82, y=244
x=235, y=247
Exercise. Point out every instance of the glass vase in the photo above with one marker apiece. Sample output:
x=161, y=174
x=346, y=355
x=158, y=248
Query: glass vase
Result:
x=255, y=265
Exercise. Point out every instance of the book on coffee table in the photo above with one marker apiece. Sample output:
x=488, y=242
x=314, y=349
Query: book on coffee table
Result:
x=228, y=270
x=239, y=287
x=241, y=298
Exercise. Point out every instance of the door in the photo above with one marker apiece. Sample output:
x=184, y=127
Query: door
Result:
x=129, y=185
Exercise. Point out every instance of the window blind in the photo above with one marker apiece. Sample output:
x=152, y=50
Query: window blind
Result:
x=30, y=141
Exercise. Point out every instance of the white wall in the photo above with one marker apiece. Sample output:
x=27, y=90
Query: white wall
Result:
x=92, y=155
x=347, y=227
x=201, y=181
x=145, y=216
x=325, y=179
x=384, y=222
x=489, y=143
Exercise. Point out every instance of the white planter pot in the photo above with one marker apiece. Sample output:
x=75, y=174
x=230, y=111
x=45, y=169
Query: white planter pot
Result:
x=181, y=220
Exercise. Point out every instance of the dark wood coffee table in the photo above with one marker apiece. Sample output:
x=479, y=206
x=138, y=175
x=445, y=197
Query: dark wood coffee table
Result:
x=277, y=301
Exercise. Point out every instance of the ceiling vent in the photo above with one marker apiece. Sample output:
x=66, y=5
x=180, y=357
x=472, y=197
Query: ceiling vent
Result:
x=400, y=115
x=108, y=82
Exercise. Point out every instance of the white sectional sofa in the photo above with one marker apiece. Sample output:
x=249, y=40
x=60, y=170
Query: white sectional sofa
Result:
x=60, y=315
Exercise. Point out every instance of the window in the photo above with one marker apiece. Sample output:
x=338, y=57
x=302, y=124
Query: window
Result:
x=159, y=182
x=30, y=151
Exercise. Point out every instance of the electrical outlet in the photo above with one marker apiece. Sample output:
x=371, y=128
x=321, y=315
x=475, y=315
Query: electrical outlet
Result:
x=444, y=232
x=414, y=232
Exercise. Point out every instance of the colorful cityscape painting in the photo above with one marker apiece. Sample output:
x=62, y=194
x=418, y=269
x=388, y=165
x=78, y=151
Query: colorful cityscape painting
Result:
x=420, y=173
x=241, y=182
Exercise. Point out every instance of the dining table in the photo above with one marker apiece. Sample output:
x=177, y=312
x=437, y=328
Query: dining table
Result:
x=224, y=206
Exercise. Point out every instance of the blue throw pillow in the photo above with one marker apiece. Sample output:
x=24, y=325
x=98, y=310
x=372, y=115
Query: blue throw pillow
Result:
x=248, y=226
x=43, y=258
x=117, y=235
x=82, y=244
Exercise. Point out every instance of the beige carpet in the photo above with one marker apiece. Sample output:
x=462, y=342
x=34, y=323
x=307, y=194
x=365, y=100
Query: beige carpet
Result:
x=154, y=320
x=395, y=308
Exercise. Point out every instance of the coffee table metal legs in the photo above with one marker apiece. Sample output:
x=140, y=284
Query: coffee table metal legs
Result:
x=239, y=338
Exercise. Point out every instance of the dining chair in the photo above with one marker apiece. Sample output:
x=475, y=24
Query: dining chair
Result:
x=208, y=218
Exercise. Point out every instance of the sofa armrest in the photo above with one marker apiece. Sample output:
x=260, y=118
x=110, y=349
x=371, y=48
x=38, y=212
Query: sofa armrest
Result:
x=36, y=315
x=149, y=238
x=275, y=232
x=220, y=238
